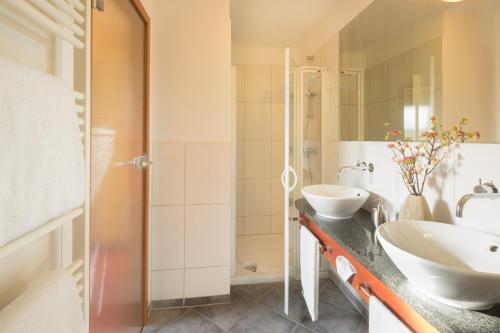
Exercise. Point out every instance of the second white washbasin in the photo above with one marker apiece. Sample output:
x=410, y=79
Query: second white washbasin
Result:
x=334, y=201
x=450, y=264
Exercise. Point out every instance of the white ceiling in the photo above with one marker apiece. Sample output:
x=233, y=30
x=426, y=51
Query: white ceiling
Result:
x=276, y=23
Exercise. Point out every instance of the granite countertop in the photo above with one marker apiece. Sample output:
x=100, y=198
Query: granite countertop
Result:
x=356, y=236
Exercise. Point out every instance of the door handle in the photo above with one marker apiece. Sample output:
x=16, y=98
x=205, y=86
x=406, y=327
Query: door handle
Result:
x=138, y=162
x=285, y=174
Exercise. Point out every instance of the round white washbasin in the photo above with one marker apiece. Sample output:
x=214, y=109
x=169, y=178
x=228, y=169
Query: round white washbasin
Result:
x=334, y=201
x=452, y=265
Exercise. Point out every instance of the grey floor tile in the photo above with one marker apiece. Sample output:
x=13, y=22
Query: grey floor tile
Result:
x=297, y=309
x=191, y=322
x=335, y=319
x=226, y=315
x=159, y=318
x=254, y=292
x=363, y=326
x=262, y=320
x=302, y=329
x=332, y=294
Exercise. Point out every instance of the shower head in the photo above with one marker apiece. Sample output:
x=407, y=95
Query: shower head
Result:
x=309, y=80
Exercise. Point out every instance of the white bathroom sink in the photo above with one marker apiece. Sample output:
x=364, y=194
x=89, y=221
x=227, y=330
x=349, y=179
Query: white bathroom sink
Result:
x=334, y=201
x=452, y=265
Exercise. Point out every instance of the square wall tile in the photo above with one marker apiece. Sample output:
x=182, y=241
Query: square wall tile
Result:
x=254, y=225
x=207, y=235
x=277, y=224
x=168, y=173
x=240, y=159
x=277, y=197
x=240, y=121
x=167, y=237
x=257, y=121
x=278, y=121
x=240, y=83
x=257, y=83
x=277, y=158
x=208, y=281
x=208, y=173
x=257, y=159
x=278, y=84
x=240, y=197
x=474, y=161
x=257, y=196
x=168, y=284
x=239, y=226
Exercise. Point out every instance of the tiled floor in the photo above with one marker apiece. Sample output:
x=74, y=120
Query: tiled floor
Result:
x=259, y=308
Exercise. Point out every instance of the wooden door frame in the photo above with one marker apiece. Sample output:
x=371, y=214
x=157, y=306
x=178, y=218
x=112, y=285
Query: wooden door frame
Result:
x=139, y=7
x=145, y=228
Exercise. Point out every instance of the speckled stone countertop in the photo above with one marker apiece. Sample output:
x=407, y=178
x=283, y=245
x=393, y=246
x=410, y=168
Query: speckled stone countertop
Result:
x=356, y=236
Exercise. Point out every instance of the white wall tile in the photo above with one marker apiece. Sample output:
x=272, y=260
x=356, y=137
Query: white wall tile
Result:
x=208, y=281
x=258, y=121
x=240, y=121
x=277, y=158
x=255, y=225
x=168, y=173
x=208, y=173
x=257, y=83
x=278, y=84
x=239, y=226
x=240, y=159
x=207, y=235
x=240, y=197
x=257, y=196
x=257, y=159
x=240, y=79
x=277, y=197
x=278, y=121
x=277, y=224
x=474, y=161
x=167, y=237
x=168, y=284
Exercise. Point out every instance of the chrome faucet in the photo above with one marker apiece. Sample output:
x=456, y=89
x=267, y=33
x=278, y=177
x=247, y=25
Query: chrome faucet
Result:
x=361, y=166
x=481, y=191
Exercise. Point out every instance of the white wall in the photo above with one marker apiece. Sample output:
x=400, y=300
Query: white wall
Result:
x=191, y=138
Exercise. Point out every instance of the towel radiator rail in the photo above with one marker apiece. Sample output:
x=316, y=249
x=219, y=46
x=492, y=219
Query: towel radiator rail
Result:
x=66, y=21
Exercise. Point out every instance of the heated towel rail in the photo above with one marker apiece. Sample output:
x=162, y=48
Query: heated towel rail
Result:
x=63, y=22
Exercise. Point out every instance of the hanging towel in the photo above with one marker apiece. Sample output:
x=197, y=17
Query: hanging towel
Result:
x=309, y=270
x=51, y=305
x=382, y=320
x=41, y=152
x=344, y=268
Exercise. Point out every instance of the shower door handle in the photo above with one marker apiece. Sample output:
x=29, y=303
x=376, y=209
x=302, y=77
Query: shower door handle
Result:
x=285, y=174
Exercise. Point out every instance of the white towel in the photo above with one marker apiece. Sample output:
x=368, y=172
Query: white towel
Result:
x=309, y=270
x=41, y=153
x=382, y=320
x=51, y=305
x=344, y=268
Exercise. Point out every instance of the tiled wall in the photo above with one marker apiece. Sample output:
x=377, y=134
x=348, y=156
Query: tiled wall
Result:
x=260, y=112
x=456, y=177
x=191, y=207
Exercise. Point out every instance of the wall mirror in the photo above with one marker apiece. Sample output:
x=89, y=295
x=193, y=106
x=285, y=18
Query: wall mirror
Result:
x=404, y=61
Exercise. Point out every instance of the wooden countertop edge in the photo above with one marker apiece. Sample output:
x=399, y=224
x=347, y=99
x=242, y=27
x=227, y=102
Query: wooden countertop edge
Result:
x=364, y=277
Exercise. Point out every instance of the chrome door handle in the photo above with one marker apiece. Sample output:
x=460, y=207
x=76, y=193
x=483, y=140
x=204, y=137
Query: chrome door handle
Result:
x=142, y=162
x=139, y=162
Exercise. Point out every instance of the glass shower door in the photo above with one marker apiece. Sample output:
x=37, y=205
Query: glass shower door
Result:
x=289, y=179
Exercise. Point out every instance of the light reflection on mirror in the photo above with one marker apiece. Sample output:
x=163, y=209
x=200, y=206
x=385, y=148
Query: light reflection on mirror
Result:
x=403, y=62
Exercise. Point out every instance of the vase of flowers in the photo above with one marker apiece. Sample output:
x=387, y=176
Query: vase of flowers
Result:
x=417, y=160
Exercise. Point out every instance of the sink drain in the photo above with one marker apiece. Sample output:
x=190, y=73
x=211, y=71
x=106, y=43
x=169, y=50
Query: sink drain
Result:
x=493, y=248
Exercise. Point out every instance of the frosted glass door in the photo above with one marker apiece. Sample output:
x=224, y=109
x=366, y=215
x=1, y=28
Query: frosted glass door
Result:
x=289, y=179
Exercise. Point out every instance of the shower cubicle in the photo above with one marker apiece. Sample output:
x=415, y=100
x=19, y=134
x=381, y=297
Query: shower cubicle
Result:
x=266, y=258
